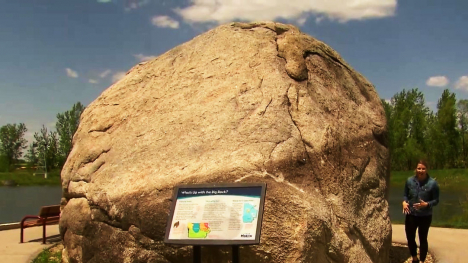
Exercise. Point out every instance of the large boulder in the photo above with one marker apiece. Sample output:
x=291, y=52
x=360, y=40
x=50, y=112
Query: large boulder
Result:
x=257, y=102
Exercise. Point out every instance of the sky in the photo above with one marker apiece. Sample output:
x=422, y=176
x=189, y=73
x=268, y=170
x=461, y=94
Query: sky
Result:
x=54, y=53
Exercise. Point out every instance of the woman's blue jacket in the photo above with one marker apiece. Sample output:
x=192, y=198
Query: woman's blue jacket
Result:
x=427, y=190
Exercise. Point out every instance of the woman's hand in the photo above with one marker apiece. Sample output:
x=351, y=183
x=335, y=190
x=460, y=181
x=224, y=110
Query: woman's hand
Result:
x=406, y=209
x=420, y=205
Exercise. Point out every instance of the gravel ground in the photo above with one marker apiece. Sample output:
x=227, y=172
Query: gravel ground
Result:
x=399, y=254
x=57, y=248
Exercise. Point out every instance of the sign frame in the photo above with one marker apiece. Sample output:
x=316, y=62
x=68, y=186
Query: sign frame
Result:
x=203, y=242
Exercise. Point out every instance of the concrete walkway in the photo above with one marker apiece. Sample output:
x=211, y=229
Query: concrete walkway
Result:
x=448, y=245
x=12, y=251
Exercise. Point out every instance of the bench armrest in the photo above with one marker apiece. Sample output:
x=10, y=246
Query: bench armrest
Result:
x=29, y=217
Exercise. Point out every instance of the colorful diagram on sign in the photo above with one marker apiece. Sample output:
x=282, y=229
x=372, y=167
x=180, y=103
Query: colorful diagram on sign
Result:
x=250, y=213
x=198, y=230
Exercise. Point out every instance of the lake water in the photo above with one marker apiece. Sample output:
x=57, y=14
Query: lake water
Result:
x=449, y=205
x=16, y=202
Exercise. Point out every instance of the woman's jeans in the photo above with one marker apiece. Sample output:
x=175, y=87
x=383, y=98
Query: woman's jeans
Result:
x=422, y=223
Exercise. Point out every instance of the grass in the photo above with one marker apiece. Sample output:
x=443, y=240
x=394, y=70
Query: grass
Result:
x=49, y=256
x=446, y=224
x=24, y=177
x=453, y=179
x=450, y=180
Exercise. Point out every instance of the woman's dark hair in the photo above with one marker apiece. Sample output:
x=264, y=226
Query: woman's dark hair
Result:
x=423, y=162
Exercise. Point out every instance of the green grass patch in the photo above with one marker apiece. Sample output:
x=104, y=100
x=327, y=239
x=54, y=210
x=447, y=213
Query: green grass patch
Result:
x=452, y=224
x=48, y=256
x=448, y=224
x=453, y=179
x=25, y=177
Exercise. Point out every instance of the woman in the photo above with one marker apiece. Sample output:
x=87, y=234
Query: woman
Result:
x=421, y=195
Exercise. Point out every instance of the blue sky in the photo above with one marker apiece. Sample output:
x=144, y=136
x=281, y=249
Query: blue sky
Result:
x=54, y=53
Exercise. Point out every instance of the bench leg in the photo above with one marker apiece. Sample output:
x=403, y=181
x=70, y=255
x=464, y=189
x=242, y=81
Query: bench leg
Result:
x=44, y=233
x=21, y=236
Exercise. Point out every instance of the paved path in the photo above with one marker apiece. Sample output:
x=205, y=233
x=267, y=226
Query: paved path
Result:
x=448, y=245
x=12, y=251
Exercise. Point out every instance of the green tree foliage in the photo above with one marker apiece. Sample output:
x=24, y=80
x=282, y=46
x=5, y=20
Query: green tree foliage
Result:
x=4, y=166
x=462, y=107
x=407, y=125
x=67, y=124
x=435, y=143
x=12, y=142
x=415, y=132
x=447, y=123
x=47, y=148
x=388, y=109
x=32, y=155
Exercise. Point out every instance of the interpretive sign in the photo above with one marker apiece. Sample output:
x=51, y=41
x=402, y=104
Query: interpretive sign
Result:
x=216, y=214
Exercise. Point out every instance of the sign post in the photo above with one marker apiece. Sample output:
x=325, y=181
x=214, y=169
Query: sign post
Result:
x=196, y=254
x=216, y=214
x=235, y=254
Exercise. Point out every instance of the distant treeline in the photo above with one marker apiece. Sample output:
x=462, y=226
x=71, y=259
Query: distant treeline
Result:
x=415, y=132
x=49, y=149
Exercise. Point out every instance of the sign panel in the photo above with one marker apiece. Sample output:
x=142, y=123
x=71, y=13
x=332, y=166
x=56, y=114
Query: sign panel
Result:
x=216, y=214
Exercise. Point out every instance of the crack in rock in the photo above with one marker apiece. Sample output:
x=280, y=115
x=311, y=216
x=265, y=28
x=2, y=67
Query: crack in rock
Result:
x=104, y=128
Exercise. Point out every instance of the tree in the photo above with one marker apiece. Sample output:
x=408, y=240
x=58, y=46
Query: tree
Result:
x=462, y=107
x=407, y=124
x=47, y=148
x=4, y=166
x=32, y=155
x=447, y=123
x=388, y=109
x=67, y=124
x=434, y=139
x=12, y=142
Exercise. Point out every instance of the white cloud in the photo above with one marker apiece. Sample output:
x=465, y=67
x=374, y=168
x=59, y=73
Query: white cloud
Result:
x=222, y=11
x=301, y=21
x=50, y=126
x=105, y=73
x=319, y=19
x=71, y=73
x=437, y=81
x=462, y=83
x=93, y=81
x=142, y=57
x=431, y=104
x=165, y=21
x=118, y=75
x=135, y=4
x=29, y=136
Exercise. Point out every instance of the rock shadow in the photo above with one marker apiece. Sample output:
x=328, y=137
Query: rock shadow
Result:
x=399, y=253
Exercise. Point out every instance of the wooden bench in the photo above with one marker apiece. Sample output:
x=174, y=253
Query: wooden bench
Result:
x=48, y=215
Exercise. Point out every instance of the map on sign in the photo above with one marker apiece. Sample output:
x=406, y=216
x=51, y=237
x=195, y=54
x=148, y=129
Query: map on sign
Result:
x=250, y=213
x=205, y=213
x=198, y=230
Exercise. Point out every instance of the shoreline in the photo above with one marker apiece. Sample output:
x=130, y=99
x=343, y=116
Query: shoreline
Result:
x=27, y=185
